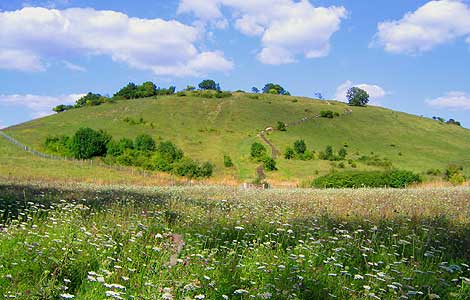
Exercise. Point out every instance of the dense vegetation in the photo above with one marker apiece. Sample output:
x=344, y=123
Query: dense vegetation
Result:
x=94, y=243
x=143, y=152
x=360, y=179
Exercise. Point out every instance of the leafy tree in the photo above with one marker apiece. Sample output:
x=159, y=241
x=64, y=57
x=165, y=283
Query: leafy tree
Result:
x=271, y=88
x=62, y=108
x=90, y=99
x=144, y=142
x=357, y=97
x=269, y=164
x=116, y=148
x=169, y=151
x=258, y=151
x=58, y=144
x=147, y=89
x=300, y=147
x=342, y=153
x=87, y=143
x=209, y=84
x=281, y=126
x=453, y=122
x=289, y=154
x=228, y=161
x=127, y=92
x=255, y=90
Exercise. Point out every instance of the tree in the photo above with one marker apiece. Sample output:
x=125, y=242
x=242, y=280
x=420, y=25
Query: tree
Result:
x=453, y=122
x=269, y=164
x=144, y=142
x=258, y=151
x=209, y=84
x=147, y=89
x=87, y=143
x=300, y=147
x=62, y=108
x=127, y=92
x=342, y=153
x=255, y=90
x=329, y=153
x=117, y=148
x=357, y=97
x=281, y=126
x=169, y=151
x=271, y=88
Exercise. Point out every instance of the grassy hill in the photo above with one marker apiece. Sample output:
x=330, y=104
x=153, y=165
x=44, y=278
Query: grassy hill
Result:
x=208, y=129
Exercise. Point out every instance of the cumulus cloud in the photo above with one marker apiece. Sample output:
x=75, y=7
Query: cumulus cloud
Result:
x=38, y=105
x=452, y=100
x=375, y=92
x=286, y=28
x=434, y=23
x=163, y=47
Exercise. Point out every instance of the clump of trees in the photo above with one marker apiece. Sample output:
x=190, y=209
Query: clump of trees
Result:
x=275, y=89
x=299, y=151
x=143, y=152
x=450, y=121
x=259, y=153
x=145, y=90
x=357, y=97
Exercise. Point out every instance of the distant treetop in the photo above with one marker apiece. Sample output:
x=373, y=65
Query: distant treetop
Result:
x=357, y=97
x=276, y=89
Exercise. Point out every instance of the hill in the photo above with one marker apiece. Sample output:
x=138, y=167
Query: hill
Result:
x=209, y=128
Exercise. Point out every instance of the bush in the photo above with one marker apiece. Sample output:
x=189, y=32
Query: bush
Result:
x=87, y=143
x=281, y=126
x=228, y=161
x=58, y=144
x=326, y=114
x=358, y=179
x=186, y=167
x=300, y=147
x=269, y=164
x=289, y=154
x=342, y=153
x=258, y=151
x=169, y=151
x=160, y=163
x=457, y=179
x=117, y=148
x=144, y=142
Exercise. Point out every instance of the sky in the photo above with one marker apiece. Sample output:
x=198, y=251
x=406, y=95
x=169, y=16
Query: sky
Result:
x=411, y=56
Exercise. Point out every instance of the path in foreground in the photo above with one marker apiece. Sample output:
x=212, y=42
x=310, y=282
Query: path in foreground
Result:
x=218, y=243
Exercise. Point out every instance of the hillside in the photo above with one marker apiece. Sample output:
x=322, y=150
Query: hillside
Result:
x=208, y=129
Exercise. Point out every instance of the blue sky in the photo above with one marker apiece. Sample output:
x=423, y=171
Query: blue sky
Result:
x=412, y=56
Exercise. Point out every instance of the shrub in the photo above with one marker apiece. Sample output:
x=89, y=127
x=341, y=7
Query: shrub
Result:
x=342, y=153
x=181, y=94
x=228, y=161
x=307, y=155
x=160, y=163
x=375, y=160
x=300, y=147
x=269, y=164
x=326, y=114
x=357, y=179
x=457, y=179
x=144, y=142
x=289, y=153
x=341, y=165
x=58, y=144
x=434, y=172
x=186, y=167
x=281, y=126
x=117, y=148
x=87, y=143
x=451, y=170
x=62, y=108
x=169, y=151
x=224, y=94
x=258, y=151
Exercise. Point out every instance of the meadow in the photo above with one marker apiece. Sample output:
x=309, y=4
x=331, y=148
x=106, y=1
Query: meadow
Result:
x=78, y=241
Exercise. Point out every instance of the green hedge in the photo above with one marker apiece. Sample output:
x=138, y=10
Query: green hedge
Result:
x=358, y=179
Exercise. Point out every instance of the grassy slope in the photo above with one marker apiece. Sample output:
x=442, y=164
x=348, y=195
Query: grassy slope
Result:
x=206, y=129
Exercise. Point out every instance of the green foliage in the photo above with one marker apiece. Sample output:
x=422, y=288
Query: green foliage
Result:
x=357, y=97
x=276, y=89
x=457, y=179
x=90, y=99
x=87, y=143
x=258, y=151
x=147, y=89
x=59, y=144
x=375, y=160
x=434, y=172
x=327, y=114
x=186, y=167
x=289, y=153
x=454, y=174
x=269, y=164
x=300, y=147
x=62, y=108
x=169, y=151
x=342, y=153
x=144, y=142
x=281, y=126
x=228, y=161
x=117, y=148
x=209, y=84
x=358, y=179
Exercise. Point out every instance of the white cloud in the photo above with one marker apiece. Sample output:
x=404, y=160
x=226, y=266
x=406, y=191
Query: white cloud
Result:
x=375, y=92
x=73, y=67
x=287, y=28
x=434, y=23
x=452, y=100
x=164, y=47
x=37, y=105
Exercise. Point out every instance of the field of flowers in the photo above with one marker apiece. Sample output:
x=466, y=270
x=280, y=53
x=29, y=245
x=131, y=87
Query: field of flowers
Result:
x=85, y=242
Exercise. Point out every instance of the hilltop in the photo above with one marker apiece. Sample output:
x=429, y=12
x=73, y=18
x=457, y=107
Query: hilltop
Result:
x=206, y=129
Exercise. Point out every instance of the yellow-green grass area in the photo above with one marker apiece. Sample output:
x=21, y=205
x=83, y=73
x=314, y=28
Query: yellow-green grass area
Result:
x=208, y=129
x=92, y=242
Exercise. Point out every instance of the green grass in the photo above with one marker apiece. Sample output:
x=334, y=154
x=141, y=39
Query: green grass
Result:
x=206, y=129
x=220, y=243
